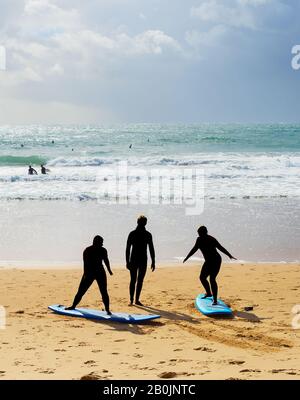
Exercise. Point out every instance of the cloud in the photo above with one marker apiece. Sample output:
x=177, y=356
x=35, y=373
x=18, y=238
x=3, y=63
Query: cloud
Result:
x=102, y=60
x=51, y=40
x=234, y=13
x=147, y=42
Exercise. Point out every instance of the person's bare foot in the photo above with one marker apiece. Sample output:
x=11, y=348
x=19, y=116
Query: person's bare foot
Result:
x=138, y=303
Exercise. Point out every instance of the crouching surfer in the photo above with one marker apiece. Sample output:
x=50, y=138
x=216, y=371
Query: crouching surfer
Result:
x=93, y=258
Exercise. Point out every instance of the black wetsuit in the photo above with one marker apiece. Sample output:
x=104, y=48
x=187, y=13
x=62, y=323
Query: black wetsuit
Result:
x=211, y=267
x=136, y=257
x=93, y=270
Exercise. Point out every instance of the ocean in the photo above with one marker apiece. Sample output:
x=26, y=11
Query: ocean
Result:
x=250, y=189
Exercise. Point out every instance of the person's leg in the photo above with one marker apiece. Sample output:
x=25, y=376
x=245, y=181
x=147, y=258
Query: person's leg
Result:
x=139, y=286
x=85, y=283
x=133, y=275
x=213, y=283
x=102, y=284
x=203, y=278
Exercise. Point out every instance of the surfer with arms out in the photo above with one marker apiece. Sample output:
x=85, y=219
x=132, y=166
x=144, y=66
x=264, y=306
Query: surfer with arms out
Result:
x=211, y=267
x=93, y=256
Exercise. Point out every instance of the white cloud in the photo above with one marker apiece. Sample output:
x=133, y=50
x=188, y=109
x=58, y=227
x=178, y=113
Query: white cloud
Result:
x=51, y=40
x=51, y=14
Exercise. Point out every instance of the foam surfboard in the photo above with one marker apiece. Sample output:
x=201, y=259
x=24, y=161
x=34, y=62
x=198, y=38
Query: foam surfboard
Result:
x=101, y=315
x=205, y=306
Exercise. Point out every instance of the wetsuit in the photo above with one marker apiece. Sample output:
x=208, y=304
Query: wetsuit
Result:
x=93, y=270
x=211, y=267
x=136, y=258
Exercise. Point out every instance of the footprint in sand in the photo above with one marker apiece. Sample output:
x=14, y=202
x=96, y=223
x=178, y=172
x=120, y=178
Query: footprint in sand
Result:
x=47, y=371
x=91, y=377
x=177, y=350
x=249, y=370
x=90, y=362
x=236, y=362
x=167, y=375
x=277, y=371
x=96, y=351
x=207, y=349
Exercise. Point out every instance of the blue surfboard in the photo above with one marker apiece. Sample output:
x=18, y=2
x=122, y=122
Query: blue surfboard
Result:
x=205, y=307
x=101, y=315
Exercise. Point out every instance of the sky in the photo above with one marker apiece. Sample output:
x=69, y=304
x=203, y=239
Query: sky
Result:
x=160, y=61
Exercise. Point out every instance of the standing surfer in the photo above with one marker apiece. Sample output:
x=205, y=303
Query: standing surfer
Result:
x=211, y=267
x=136, y=258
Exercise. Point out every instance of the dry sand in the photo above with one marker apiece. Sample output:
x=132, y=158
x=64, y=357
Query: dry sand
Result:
x=184, y=344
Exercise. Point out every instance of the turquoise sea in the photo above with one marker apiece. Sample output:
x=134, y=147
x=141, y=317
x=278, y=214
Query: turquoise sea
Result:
x=251, y=189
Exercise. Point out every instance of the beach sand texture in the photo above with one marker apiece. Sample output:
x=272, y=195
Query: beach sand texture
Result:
x=182, y=344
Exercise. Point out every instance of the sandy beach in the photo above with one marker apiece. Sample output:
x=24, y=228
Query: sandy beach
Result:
x=182, y=344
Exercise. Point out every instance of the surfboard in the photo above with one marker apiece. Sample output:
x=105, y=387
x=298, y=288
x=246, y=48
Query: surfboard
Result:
x=205, y=307
x=101, y=315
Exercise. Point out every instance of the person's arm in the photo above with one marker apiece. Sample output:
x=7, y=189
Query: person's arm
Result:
x=152, y=252
x=223, y=250
x=192, y=252
x=84, y=261
x=128, y=248
x=106, y=261
x=35, y=172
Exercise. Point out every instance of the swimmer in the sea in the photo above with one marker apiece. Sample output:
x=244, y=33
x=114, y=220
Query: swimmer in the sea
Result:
x=31, y=171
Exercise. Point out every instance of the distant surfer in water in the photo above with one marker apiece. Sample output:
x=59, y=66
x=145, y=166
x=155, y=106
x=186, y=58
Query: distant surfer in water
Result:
x=44, y=170
x=211, y=267
x=136, y=258
x=31, y=171
x=93, y=256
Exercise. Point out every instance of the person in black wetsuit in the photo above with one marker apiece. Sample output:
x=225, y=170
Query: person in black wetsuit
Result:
x=94, y=270
x=44, y=170
x=136, y=258
x=31, y=171
x=211, y=267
